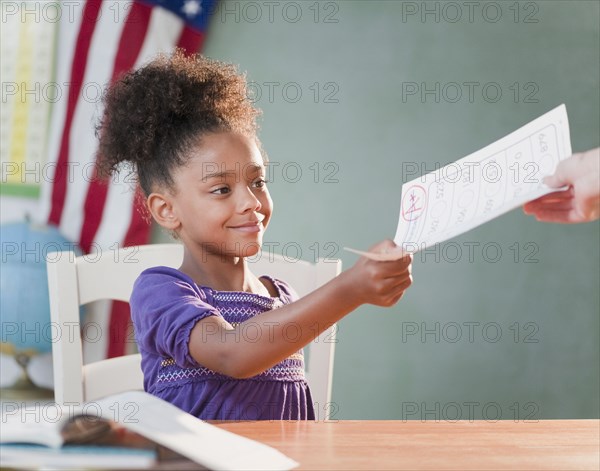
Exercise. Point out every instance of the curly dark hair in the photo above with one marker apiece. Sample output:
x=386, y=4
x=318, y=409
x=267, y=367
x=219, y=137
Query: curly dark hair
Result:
x=153, y=115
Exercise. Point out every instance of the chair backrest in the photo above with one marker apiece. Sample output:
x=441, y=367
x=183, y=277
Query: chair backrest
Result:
x=75, y=281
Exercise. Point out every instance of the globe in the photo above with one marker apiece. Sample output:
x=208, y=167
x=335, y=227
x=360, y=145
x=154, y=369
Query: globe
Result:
x=24, y=302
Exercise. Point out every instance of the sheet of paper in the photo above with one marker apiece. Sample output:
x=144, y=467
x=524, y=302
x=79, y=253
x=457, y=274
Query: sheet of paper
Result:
x=481, y=186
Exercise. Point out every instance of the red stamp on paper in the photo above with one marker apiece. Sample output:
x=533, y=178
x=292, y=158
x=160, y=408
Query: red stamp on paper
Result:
x=414, y=202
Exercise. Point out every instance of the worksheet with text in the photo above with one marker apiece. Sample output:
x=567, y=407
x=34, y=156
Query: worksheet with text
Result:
x=481, y=186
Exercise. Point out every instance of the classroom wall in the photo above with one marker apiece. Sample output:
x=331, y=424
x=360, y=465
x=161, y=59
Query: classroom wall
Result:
x=528, y=316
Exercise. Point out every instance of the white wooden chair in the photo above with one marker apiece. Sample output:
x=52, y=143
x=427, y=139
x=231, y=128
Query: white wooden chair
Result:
x=74, y=281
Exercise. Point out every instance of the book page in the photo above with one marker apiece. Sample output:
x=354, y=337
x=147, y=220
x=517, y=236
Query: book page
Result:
x=481, y=186
x=150, y=417
x=38, y=423
x=183, y=433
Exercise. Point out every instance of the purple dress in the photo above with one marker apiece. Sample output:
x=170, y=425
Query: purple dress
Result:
x=165, y=306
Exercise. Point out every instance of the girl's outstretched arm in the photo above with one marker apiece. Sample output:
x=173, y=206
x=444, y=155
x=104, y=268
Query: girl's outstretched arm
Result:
x=214, y=343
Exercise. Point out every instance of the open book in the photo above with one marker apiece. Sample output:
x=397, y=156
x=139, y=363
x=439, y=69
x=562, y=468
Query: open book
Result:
x=128, y=430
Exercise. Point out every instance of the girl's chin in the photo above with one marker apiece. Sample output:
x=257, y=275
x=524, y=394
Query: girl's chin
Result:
x=249, y=249
x=236, y=249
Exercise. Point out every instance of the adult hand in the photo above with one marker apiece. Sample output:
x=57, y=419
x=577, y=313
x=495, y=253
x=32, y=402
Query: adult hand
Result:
x=581, y=201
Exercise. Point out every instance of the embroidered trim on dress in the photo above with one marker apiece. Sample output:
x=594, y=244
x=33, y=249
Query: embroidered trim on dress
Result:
x=291, y=369
x=234, y=297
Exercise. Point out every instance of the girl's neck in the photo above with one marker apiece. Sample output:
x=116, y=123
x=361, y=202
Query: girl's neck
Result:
x=222, y=273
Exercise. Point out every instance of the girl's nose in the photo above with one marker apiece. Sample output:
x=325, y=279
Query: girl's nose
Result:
x=250, y=202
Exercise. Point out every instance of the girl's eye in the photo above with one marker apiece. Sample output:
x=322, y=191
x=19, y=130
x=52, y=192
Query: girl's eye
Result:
x=260, y=183
x=221, y=191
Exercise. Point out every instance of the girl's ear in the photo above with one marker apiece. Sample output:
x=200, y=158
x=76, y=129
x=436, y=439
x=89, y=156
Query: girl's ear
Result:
x=161, y=208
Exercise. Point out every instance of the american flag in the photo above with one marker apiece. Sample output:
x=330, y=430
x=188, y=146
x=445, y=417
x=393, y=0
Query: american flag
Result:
x=98, y=41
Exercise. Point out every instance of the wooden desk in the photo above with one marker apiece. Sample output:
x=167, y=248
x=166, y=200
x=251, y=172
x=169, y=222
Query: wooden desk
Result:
x=381, y=444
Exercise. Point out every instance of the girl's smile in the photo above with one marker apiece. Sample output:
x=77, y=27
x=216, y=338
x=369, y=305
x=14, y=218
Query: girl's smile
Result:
x=250, y=226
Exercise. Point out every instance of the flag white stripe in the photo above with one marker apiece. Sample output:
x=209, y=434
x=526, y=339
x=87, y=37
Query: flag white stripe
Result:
x=83, y=144
x=118, y=208
x=65, y=47
x=163, y=32
x=96, y=331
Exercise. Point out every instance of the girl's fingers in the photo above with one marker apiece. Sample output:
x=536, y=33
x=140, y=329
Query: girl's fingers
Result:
x=397, y=298
x=400, y=290
x=396, y=273
x=386, y=245
x=396, y=267
x=401, y=285
x=390, y=287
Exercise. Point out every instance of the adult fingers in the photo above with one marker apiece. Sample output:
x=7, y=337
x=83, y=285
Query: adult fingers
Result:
x=556, y=196
x=567, y=171
x=551, y=205
x=567, y=216
x=549, y=199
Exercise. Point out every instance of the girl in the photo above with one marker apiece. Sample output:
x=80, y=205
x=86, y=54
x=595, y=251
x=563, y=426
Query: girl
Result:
x=189, y=130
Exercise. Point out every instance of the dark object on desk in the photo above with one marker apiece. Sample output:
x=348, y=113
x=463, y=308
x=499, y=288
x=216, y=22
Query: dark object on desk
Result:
x=93, y=430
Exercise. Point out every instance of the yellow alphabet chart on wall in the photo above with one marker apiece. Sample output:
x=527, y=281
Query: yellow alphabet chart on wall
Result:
x=27, y=44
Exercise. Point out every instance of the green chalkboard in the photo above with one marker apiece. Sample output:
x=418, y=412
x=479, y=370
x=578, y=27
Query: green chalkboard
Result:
x=502, y=322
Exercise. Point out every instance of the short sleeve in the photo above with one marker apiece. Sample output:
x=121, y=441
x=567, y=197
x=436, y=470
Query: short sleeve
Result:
x=165, y=306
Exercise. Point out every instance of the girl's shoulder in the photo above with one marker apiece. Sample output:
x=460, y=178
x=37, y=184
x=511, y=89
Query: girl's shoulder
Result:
x=164, y=272
x=160, y=275
x=284, y=290
x=162, y=279
x=158, y=286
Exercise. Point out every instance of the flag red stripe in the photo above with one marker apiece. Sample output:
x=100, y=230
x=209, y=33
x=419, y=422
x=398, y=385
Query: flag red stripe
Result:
x=130, y=45
x=119, y=323
x=138, y=233
x=139, y=227
x=190, y=40
x=91, y=13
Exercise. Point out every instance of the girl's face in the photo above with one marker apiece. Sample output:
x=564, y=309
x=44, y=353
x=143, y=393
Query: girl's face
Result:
x=222, y=203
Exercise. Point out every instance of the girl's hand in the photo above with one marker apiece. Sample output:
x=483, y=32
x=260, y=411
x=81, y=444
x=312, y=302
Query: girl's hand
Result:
x=380, y=283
